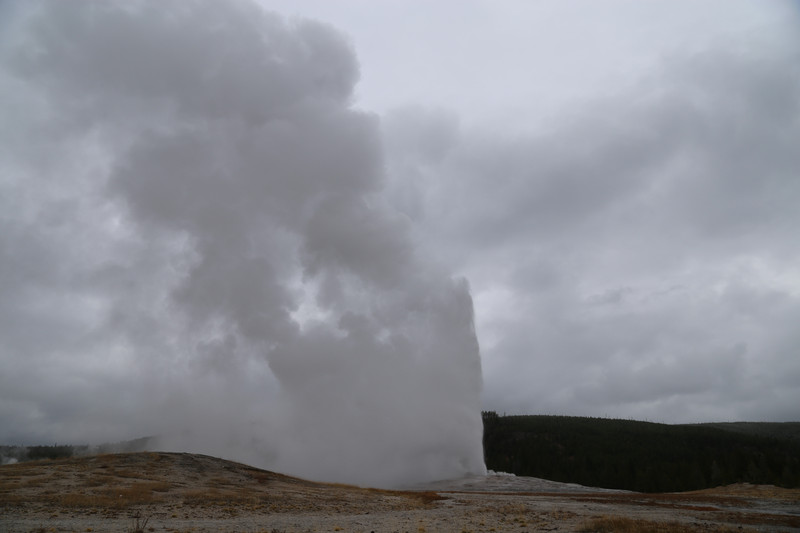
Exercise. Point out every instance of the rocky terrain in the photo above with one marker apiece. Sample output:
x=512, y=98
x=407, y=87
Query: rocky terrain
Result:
x=177, y=492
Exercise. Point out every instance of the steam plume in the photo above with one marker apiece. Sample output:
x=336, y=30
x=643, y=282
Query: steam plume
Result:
x=214, y=206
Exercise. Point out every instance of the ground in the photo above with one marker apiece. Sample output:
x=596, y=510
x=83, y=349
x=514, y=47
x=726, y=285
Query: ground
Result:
x=175, y=492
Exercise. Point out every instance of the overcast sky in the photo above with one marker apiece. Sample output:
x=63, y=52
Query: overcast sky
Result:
x=619, y=182
x=217, y=217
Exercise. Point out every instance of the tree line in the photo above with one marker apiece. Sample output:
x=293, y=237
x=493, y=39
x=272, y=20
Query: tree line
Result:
x=640, y=456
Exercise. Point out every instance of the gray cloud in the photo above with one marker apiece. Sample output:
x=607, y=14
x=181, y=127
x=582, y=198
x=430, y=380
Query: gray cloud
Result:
x=636, y=256
x=198, y=247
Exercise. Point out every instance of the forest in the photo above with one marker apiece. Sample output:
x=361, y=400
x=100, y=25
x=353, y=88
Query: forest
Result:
x=642, y=456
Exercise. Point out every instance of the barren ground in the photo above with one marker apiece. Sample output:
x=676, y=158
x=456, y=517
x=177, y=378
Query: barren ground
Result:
x=175, y=492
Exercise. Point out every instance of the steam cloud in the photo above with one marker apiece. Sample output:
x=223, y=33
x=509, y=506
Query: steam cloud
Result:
x=189, y=185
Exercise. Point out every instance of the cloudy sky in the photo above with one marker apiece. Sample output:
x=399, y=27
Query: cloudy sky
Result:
x=223, y=221
x=619, y=182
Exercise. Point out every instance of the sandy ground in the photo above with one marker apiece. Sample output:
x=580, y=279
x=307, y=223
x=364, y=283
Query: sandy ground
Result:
x=183, y=492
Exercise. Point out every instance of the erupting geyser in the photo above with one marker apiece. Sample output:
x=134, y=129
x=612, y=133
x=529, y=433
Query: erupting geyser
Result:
x=222, y=203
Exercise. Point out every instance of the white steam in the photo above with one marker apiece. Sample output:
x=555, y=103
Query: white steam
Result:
x=190, y=178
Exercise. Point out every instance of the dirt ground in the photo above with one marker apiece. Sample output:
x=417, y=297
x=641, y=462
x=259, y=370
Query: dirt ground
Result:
x=176, y=492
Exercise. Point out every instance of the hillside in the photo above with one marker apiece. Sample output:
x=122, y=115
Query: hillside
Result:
x=178, y=487
x=121, y=481
x=777, y=430
x=178, y=492
x=641, y=456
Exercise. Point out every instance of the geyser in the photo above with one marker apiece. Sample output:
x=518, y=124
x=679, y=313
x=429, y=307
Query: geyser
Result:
x=215, y=209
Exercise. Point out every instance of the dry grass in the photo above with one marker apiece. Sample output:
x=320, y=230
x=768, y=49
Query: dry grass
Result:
x=100, y=480
x=9, y=485
x=426, y=498
x=185, y=487
x=219, y=497
x=421, y=497
x=746, y=490
x=621, y=524
x=261, y=477
x=113, y=497
x=512, y=508
x=129, y=474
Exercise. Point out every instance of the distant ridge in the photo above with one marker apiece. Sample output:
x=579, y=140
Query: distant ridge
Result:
x=777, y=430
x=21, y=454
x=643, y=456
